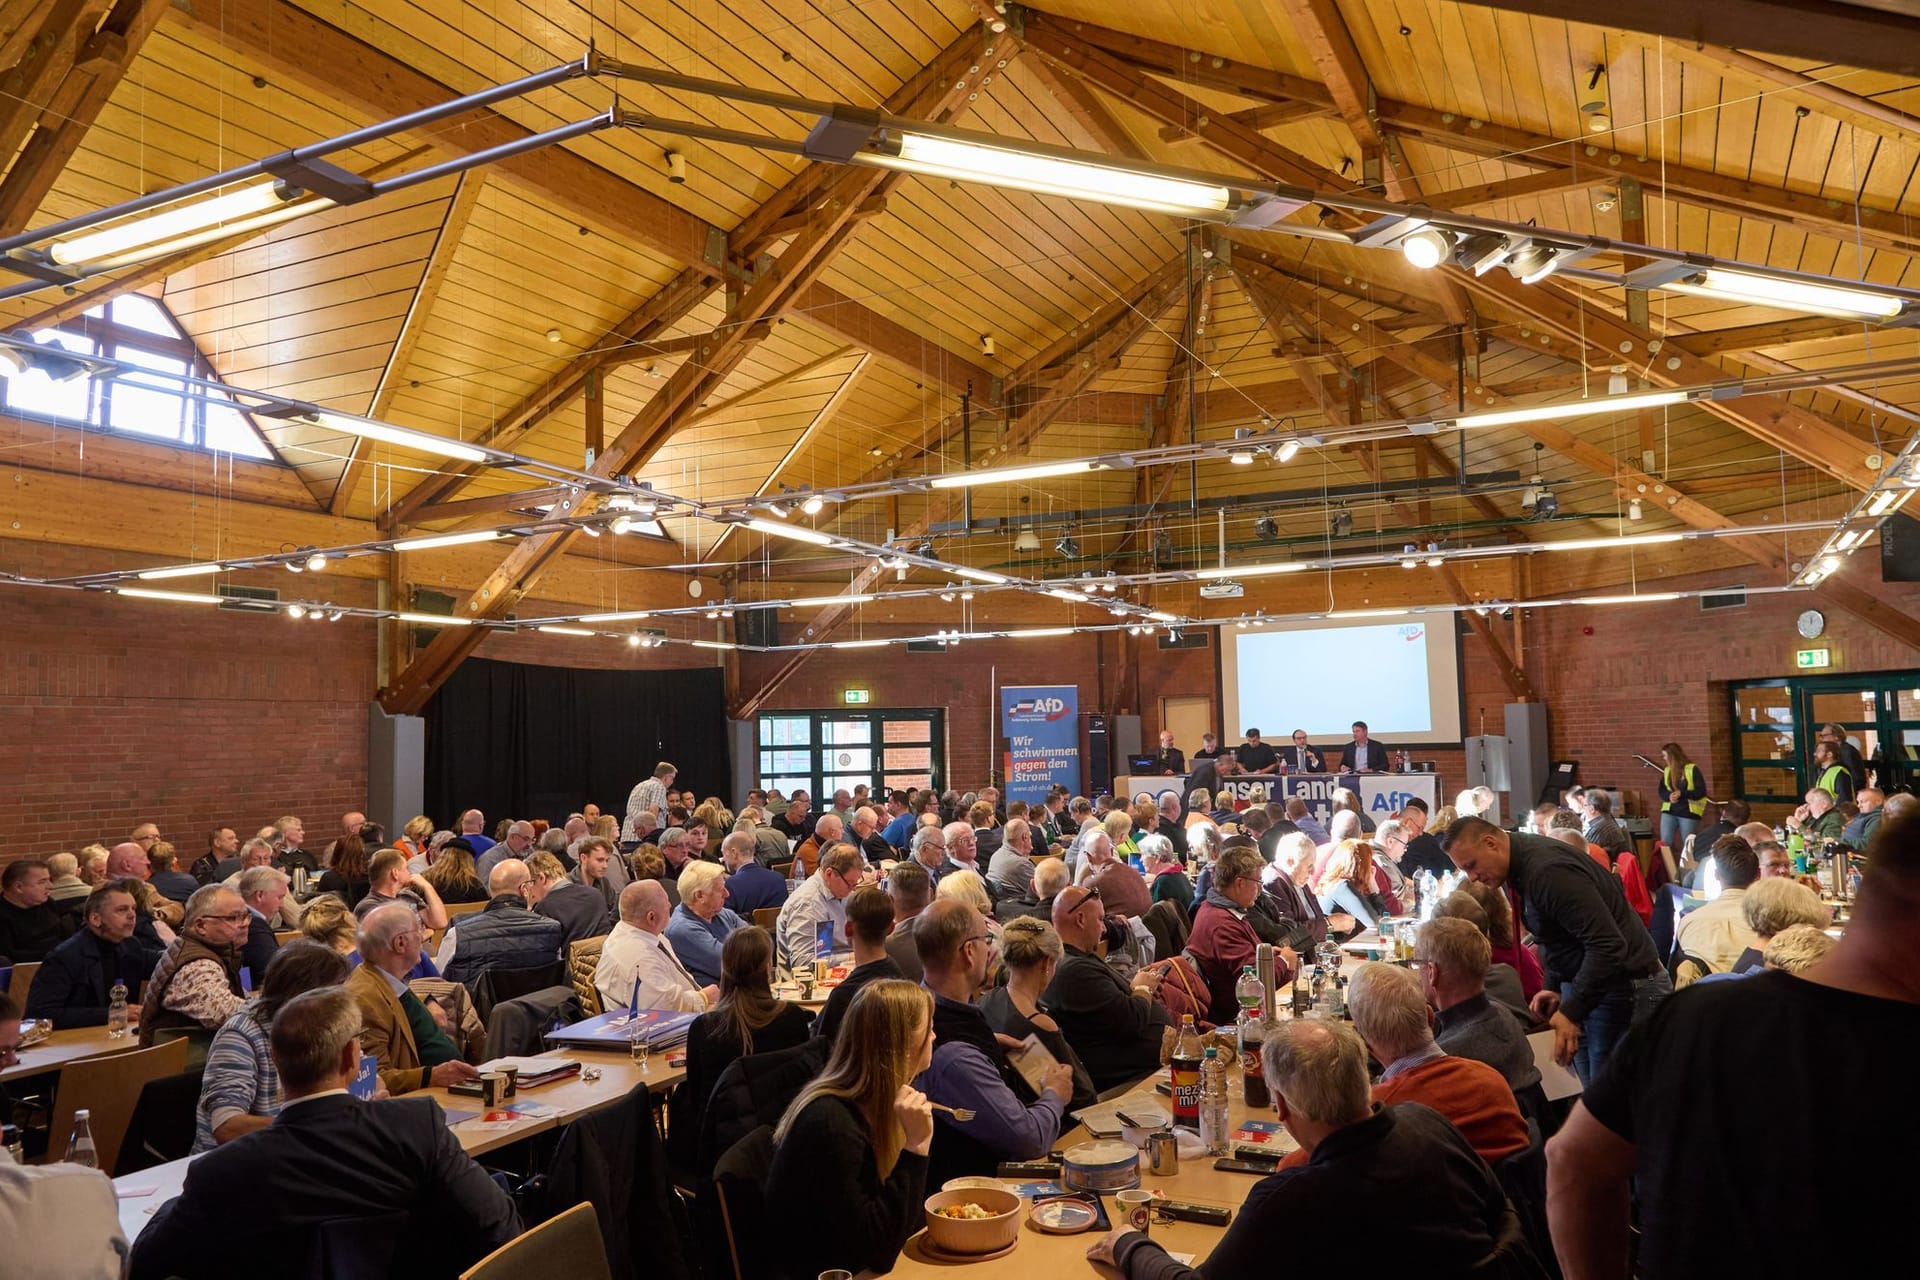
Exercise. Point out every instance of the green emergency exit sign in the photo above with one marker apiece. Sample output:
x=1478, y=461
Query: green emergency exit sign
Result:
x=853, y=697
x=1809, y=658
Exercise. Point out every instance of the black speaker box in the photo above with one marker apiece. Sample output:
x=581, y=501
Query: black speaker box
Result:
x=1900, y=548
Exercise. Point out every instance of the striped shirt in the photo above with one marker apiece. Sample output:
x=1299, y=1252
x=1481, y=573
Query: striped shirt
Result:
x=239, y=1079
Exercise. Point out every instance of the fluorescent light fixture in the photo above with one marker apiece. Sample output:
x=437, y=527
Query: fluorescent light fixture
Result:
x=711, y=644
x=387, y=433
x=1009, y=475
x=981, y=575
x=629, y=615
x=182, y=226
x=1851, y=539
x=1040, y=631
x=435, y=619
x=566, y=631
x=861, y=644
x=1250, y=571
x=446, y=540
x=179, y=571
x=1605, y=544
x=1572, y=409
x=1889, y=500
x=773, y=528
x=1020, y=169
x=808, y=602
x=1649, y=598
x=1790, y=295
x=1161, y=615
x=178, y=597
x=1074, y=596
x=1370, y=613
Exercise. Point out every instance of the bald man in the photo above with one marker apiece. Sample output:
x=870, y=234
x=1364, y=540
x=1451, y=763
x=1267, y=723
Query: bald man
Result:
x=638, y=967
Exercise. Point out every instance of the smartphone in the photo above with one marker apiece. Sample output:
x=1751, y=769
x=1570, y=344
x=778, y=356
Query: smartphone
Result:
x=1226, y=1165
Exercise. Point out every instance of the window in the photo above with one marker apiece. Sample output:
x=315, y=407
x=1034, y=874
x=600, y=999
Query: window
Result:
x=138, y=331
x=821, y=752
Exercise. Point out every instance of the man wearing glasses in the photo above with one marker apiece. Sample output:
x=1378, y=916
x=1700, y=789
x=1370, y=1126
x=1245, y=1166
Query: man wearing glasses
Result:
x=820, y=900
x=197, y=982
x=1117, y=1031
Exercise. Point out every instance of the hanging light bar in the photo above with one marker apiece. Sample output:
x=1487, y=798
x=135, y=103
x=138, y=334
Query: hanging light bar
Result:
x=1608, y=544
x=178, y=597
x=1789, y=295
x=629, y=615
x=808, y=602
x=435, y=619
x=179, y=571
x=387, y=433
x=173, y=227
x=982, y=575
x=1249, y=570
x=1572, y=409
x=446, y=540
x=1009, y=475
x=566, y=631
x=861, y=644
x=774, y=528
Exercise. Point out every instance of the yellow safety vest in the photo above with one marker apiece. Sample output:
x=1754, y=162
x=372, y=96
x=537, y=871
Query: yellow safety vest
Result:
x=1691, y=773
x=1830, y=777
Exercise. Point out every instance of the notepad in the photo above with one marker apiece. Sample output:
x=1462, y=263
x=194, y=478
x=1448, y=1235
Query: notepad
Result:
x=1556, y=1081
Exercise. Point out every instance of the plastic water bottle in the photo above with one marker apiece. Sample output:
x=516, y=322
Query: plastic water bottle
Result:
x=1213, y=1103
x=117, y=1011
x=80, y=1145
x=1250, y=993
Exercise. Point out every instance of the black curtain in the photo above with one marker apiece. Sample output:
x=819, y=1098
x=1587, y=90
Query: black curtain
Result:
x=523, y=741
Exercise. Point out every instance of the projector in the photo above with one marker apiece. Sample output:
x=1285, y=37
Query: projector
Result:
x=1224, y=589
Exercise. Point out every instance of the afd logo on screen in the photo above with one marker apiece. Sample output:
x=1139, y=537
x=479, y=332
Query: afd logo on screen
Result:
x=1038, y=709
x=1413, y=634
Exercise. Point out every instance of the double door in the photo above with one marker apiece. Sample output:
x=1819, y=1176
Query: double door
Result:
x=822, y=752
x=1776, y=723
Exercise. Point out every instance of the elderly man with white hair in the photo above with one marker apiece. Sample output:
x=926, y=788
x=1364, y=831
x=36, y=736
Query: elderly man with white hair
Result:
x=638, y=967
x=506, y=934
x=701, y=922
x=413, y=1051
x=196, y=983
x=518, y=845
x=264, y=890
x=929, y=848
x=817, y=908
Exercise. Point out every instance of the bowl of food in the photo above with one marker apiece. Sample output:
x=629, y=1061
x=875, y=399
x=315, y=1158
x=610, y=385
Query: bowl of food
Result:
x=973, y=1219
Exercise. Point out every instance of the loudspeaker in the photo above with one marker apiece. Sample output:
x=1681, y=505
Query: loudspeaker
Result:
x=1099, y=753
x=757, y=627
x=1527, y=760
x=1900, y=548
x=1125, y=732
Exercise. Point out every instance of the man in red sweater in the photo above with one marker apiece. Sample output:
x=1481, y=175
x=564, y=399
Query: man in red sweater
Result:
x=1390, y=1013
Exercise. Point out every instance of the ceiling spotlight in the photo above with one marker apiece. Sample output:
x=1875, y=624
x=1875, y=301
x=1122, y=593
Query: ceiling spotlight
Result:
x=295, y=566
x=814, y=504
x=1027, y=540
x=1617, y=381
x=1829, y=563
x=676, y=167
x=1341, y=525
x=1288, y=450
x=633, y=640
x=1533, y=262
x=1434, y=558
x=1605, y=199
x=875, y=451
x=966, y=595
x=1068, y=546
x=1598, y=121
x=1267, y=528
x=726, y=612
x=1545, y=505
x=927, y=551
x=948, y=596
x=1427, y=248
x=622, y=523
x=1482, y=251
x=296, y=611
x=778, y=510
x=712, y=614
x=1633, y=509
x=317, y=561
x=1409, y=557
x=1241, y=457
x=334, y=615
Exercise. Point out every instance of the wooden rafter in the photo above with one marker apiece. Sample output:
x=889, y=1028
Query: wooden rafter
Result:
x=466, y=196
x=1268, y=115
x=1823, y=95
x=939, y=91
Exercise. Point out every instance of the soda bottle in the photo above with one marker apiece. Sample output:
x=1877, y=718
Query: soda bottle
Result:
x=1184, y=1067
x=1213, y=1103
x=1253, y=1075
x=80, y=1145
x=117, y=1011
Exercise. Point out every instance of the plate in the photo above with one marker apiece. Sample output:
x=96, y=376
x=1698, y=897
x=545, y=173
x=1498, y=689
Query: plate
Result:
x=923, y=1247
x=1060, y=1216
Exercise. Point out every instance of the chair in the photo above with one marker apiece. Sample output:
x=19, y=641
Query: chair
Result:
x=1686, y=968
x=739, y=1196
x=1665, y=926
x=283, y=936
x=583, y=958
x=163, y=1122
x=784, y=868
x=108, y=1088
x=766, y=917
x=21, y=982
x=199, y=1042
x=464, y=908
x=1169, y=927
x=495, y=986
x=566, y=1245
x=1523, y=1176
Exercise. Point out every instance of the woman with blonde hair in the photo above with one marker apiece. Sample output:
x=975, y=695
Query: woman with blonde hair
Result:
x=454, y=875
x=1033, y=951
x=607, y=827
x=414, y=836
x=1119, y=827
x=1352, y=883
x=967, y=886
x=856, y=1139
x=328, y=920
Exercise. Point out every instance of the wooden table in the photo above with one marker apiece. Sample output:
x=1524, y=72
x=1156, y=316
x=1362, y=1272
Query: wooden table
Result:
x=1039, y=1253
x=62, y=1047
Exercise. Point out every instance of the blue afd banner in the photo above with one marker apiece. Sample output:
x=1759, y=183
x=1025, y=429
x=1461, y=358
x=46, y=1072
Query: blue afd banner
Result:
x=1041, y=726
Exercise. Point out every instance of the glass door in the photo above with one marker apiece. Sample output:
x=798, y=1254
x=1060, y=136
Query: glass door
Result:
x=1776, y=722
x=1766, y=754
x=821, y=752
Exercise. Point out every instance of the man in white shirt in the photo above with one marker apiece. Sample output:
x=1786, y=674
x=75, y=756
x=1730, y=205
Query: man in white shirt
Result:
x=637, y=956
x=1718, y=932
x=650, y=793
x=820, y=899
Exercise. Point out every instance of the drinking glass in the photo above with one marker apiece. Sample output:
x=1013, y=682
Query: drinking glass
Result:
x=637, y=1045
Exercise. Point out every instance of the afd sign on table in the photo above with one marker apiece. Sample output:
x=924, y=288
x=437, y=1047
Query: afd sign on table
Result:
x=1041, y=727
x=1381, y=794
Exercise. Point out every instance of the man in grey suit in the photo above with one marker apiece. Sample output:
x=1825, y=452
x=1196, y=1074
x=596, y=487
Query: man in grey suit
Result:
x=911, y=888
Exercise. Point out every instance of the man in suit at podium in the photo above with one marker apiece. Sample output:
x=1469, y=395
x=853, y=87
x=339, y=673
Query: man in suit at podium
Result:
x=1362, y=755
x=1302, y=757
x=1169, y=761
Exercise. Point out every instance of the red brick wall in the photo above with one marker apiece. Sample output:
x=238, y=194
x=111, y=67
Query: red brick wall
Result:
x=1647, y=674
x=118, y=712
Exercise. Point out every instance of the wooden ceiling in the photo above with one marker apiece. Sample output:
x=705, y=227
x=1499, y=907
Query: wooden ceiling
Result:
x=477, y=306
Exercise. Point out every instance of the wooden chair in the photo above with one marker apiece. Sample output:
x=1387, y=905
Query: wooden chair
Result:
x=108, y=1088
x=464, y=908
x=583, y=958
x=21, y=982
x=766, y=917
x=568, y=1245
x=284, y=936
x=784, y=868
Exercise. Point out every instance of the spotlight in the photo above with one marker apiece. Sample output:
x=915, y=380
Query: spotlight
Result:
x=814, y=504
x=1617, y=381
x=676, y=167
x=1068, y=546
x=948, y=596
x=294, y=566
x=589, y=530
x=1267, y=528
x=1027, y=540
x=296, y=611
x=634, y=641
x=966, y=595
x=335, y=615
x=1173, y=637
x=1605, y=199
x=317, y=561
x=927, y=551
x=1434, y=558
x=1241, y=457
x=1533, y=262
x=1427, y=247
x=1341, y=525
x=1287, y=451
x=1409, y=557
x=1546, y=506
x=1482, y=252
x=986, y=344
x=622, y=523
x=1633, y=509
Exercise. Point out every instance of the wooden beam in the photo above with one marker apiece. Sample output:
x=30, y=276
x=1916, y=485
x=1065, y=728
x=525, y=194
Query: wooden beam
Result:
x=1824, y=93
x=1540, y=183
x=20, y=22
x=793, y=223
x=466, y=195
x=1268, y=115
x=939, y=92
x=821, y=417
